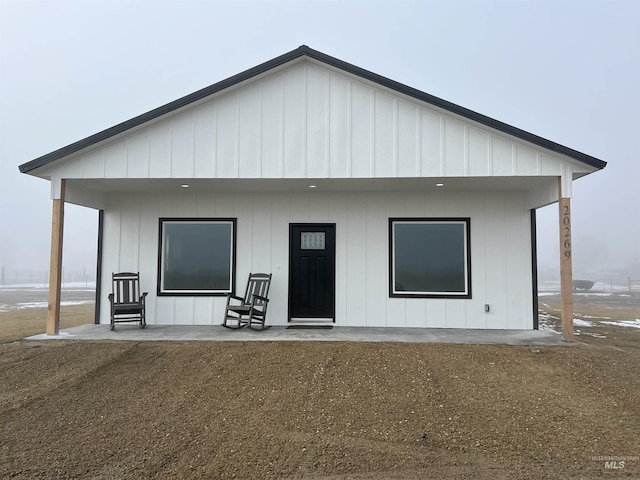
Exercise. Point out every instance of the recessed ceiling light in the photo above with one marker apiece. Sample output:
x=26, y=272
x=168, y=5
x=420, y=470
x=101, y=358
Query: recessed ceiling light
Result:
x=439, y=184
x=313, y=186
x=185, y=185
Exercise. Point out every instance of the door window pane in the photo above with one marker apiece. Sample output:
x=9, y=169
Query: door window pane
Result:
x=312, y=241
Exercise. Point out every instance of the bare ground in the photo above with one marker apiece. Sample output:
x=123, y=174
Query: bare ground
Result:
x=18, y=324
x=315, y=410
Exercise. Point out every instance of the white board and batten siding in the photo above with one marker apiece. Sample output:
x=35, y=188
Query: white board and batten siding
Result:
x=500, y=253
x=310, y=121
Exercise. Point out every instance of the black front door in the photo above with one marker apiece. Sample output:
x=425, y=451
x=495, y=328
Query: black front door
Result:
x=312, y=258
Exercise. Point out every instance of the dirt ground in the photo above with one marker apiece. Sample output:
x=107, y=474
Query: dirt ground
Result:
x=315, y=410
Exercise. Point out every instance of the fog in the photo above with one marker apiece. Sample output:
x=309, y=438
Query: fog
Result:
x=567, y=71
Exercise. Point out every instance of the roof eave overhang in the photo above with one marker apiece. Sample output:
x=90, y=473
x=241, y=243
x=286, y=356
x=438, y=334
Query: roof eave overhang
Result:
x=328, y=60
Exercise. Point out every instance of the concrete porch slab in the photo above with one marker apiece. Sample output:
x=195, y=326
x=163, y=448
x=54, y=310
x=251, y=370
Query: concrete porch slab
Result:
x=217, y=333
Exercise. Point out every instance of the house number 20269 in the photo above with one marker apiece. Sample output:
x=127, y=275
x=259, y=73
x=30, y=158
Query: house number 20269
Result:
x=566, y=228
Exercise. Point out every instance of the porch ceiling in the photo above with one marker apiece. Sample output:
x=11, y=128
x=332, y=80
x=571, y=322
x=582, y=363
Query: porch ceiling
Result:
x=457, y=184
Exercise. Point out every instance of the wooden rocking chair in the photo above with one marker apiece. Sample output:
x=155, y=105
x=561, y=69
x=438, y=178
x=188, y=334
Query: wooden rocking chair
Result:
x=252, y=309
x=127, y=305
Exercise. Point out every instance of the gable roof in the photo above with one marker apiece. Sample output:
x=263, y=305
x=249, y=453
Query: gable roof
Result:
x=305, y=51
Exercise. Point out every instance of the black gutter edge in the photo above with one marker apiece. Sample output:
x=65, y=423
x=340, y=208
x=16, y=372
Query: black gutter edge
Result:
x=534, y=268
x=329, y=60
x=99, y=266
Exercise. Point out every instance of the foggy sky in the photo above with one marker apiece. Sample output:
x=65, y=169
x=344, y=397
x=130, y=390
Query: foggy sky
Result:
x=565, y=70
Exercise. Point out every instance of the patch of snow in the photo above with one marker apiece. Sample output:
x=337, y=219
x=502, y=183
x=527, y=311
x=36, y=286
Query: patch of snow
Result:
x=21, y=306
x=582, y=323
x=84, y=286
x=596, y=335
x=589, y=316
x=545, y=324
x=625, y=323
x=600, y=294
x=19, y=287
x=24, y=305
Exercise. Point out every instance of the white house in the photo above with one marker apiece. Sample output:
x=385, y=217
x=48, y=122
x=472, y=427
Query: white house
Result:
x=372, y=203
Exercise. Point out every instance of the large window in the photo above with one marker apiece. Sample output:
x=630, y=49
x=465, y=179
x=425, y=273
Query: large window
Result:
x=429, y=258
x=197, y=256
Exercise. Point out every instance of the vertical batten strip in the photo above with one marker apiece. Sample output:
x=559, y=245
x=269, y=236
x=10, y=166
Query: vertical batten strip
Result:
x=193, y=146
x=418, y=142
x=260, y=146
x=148, y=135
x=487, y=299
x=237, y=133
x=127, y=157
x=366, y=252
x=465, y=166
x=103, y=163
x=214, y=148
x=349, y=129
x=170, y=150
x=372, y=119
x=395, y=139
x=504, y=260
x=140, y=244
x=305, y=127
x=490, y=155
x=119, y=259
x=282, y=123
x=443, y=167
x=327, y=127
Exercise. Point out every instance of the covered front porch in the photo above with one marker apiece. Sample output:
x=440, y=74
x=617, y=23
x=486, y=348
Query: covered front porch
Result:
x=190, y=197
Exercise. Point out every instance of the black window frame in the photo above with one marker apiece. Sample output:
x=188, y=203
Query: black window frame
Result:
x=466, y=221
x=195, y=293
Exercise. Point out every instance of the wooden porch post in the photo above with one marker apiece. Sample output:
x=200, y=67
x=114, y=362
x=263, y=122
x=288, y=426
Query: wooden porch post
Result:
x=55, y=268
x=566, y=270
